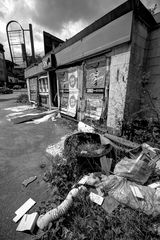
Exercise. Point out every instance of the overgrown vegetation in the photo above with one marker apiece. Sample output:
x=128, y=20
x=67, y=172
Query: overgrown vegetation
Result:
x=23, y=98
x=87, y=220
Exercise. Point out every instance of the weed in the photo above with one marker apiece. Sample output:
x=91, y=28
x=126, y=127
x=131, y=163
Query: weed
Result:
x=23, y=98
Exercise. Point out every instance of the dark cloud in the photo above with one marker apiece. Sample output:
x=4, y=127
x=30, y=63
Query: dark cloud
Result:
x=53, y=14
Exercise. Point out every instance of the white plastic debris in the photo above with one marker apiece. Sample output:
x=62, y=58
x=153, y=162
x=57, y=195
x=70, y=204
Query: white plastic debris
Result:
x=56, y=149
x=19, y=108
x=82, y=127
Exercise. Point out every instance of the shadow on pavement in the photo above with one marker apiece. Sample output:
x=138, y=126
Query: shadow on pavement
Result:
x=9, y=99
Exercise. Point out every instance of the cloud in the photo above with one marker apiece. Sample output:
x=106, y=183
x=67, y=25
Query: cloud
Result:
x=62, y=18
x=55, y=14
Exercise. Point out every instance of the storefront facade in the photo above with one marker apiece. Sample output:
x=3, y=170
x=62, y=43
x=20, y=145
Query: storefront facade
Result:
x=109, y=58
x=38, y=85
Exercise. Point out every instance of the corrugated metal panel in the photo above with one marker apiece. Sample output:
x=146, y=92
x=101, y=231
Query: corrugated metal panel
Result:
x=112, y=34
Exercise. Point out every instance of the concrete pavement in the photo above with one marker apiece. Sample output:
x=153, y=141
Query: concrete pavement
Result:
x=22, y=150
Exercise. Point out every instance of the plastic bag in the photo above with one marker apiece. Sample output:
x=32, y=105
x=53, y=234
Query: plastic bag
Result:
x=121, y=190
x=139, y=164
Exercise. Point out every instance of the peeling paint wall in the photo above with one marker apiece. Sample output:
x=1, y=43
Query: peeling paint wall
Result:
x=136, y=69
x=153, y=71
x=117, y=90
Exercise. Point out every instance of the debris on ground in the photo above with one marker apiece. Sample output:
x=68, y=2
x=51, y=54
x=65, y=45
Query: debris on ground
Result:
x=57, y=148
x=23, y=209
x=51, y=116
x=30, y=117
x=28, y=223
x=100, y=191
x=28, y=181
x=21, y=108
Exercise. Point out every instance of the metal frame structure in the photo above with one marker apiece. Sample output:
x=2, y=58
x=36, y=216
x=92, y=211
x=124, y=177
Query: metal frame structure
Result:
x=16, y=39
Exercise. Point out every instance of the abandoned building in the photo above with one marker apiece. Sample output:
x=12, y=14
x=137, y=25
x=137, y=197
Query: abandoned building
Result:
x=110, y=70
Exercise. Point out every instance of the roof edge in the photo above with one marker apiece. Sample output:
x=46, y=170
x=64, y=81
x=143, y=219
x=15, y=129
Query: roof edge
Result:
x=130, y=5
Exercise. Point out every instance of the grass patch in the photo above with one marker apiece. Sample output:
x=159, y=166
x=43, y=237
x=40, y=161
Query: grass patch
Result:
x=23, y=98
x=87, y=220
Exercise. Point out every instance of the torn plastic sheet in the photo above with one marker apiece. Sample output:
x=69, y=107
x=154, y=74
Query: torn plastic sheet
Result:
x=139, y=164
x=57, y=148
x=121, y=190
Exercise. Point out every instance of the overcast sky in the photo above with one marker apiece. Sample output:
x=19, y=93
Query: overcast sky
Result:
x=62, y=18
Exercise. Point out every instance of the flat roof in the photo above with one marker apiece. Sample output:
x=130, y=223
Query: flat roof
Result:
x=139, y=9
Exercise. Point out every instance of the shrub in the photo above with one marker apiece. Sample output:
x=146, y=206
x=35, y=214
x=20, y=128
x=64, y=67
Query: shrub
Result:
x=23, y=98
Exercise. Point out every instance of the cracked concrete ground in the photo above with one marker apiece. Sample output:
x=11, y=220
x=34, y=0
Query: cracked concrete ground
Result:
x=22, y=150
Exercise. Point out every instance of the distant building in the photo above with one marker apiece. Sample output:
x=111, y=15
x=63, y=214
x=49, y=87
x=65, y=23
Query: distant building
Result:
x=14, y=75
x=3, y=72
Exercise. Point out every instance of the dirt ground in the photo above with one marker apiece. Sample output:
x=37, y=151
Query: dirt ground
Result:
x=22, y=150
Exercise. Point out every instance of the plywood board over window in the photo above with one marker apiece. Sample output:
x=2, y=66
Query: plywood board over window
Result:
x=96, y=80
x=68, y=90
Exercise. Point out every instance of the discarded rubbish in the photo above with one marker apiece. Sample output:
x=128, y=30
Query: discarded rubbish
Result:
x=109, y=204
x=87, y=149
x=56, y=149
x=31, y=116
x=96, y=198
x=155, y=185
x=29, y=180
x=28, y=222
x=23, y=209
x=82, y=127
x=45, y=118
x=20, y=108
x=145, y=199
x=55, y=213
x=139, y=165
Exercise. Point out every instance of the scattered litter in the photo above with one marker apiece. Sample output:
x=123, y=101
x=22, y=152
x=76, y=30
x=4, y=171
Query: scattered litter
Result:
x=13, y=114
x=109, y=204
x=20, y=108
x=23, y=209
x=31, y=116
x=155, y=185
x=28, y=222
x=57, y=212
x=96, y=198
x=82, y=127
x=45, y=118
x=57, y=149
x=136, y=192
x=120, y=189
x=139, y=165
x=29, y=180
x=83, y=180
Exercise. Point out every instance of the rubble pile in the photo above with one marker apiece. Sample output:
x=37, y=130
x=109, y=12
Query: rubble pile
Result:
x=102, y=204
